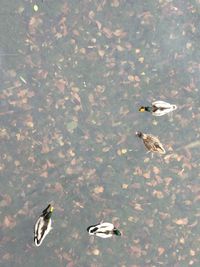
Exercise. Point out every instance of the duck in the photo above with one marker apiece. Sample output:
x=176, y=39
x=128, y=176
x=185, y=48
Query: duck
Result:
x=43, y=225
x=103, y=230
x=152, y=143
x=159, y=108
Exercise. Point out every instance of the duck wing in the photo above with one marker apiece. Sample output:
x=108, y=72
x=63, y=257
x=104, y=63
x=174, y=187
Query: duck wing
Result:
x=92, y=230
x=104, y=232
x=161, y=108
x=42, y=228
x=153, y=144
x=106, y=226
x=159, y=148
x=161, y=104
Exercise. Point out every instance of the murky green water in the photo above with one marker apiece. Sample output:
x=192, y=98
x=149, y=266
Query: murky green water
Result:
x=73, y=75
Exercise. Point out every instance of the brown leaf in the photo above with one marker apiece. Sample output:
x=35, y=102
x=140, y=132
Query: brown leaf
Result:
x=181, y=221
x=106, y=149
x=76, y=98
x=5, y=201
x=22, y=93
x=167, y=180
x=136, y=250
x=63, y=26
x=34, y=24
x=161, y=250
x=115, y=3
x=50, y=164
x=101, y=53
x=108, y=33
x=136, y=186
x=119, y=33
x=9, y=222
x=91, y=15
x=44, y=174
x=42, y=74
x=95, y=252
x=78, y=204
x=138, y=171
x=59, y=188
x=131, y=78
x=7, y=256
x=91, y=99
x=120, y=48
x=98, y=24
x=70, y=264
x=98, y=189
x=82, y=50
x=138, y=206
x=124, y=186
x=147, y=175
x=66, y=256
x=156, y=170
x=45, y=148
x=98, y=159
x=141, y=59
x=158, y=194
x=137, y=78
x=29, y=121
x=60, y=85
x=65, y=8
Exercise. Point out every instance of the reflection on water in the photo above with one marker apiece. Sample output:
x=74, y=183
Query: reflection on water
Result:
x=68, y=116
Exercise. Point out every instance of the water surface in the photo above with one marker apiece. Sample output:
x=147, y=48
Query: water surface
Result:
x=73, y=75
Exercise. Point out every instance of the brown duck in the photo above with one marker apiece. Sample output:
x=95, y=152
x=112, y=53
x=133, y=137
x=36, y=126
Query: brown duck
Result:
x=152, y=143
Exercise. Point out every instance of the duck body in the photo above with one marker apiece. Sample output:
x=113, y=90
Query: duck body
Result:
x=159, y=108
x=43, y=226
x=103, y=230
x=152, y=143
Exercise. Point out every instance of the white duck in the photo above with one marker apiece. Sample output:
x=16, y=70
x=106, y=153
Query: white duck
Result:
x=103, y=230
x=159, y=108
x=43, y=225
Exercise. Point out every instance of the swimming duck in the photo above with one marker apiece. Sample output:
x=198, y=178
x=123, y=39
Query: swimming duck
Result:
x=43, y=225
x=103, y=230
x=152, y=143
x=159, y=108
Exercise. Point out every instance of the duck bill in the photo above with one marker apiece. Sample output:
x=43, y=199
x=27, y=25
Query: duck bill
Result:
x=142, y=109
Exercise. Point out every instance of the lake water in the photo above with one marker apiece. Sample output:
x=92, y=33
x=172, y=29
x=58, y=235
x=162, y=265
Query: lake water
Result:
x=73, y=75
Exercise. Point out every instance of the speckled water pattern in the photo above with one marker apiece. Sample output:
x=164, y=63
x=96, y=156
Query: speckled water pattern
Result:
x=73, y=75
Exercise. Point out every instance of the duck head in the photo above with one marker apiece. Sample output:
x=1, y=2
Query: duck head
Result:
x=139, y=134
x=116, y=232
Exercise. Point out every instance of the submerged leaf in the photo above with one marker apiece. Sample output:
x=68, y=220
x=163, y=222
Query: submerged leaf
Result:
x=98, y=189
x=181, y=221
x=95, y=252
x=71, y=126
x=9, y=222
